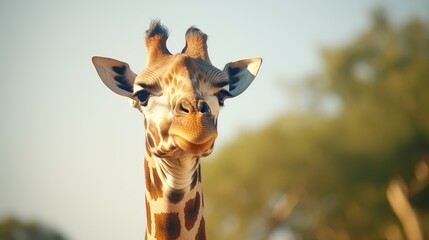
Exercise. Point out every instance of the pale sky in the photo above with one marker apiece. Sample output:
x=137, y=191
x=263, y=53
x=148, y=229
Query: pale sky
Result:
x=71, y=151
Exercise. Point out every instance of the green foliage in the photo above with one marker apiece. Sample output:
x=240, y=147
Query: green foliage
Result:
x=13, y=229
x=336, y=169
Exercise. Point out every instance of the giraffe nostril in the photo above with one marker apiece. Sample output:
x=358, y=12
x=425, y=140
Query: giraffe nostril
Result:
x=184, y=107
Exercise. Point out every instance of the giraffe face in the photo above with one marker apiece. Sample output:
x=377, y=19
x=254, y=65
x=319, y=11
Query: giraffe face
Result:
x=180, y=99
x=180, y=95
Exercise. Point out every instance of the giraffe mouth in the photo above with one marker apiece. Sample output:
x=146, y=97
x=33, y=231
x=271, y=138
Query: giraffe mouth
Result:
x=197, y=148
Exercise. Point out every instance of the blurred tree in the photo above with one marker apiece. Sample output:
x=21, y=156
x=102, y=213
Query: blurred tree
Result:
x=12, y=229
x=319, y=176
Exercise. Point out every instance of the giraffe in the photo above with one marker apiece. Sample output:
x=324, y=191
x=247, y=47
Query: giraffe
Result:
x=180, y=96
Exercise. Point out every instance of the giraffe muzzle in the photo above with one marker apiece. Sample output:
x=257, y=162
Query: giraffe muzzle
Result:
x=193, y=129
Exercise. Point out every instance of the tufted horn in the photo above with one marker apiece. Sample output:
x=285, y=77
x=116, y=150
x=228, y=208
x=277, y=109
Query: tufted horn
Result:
x=196, y=44
x=156, y=39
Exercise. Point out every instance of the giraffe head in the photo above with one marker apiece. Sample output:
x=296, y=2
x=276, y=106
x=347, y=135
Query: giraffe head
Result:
x=180, y=95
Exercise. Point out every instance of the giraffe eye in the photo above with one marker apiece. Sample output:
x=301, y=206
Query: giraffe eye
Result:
x=143, y=97
x=221, y=96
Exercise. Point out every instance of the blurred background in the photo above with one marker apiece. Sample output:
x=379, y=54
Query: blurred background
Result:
x=331, y=141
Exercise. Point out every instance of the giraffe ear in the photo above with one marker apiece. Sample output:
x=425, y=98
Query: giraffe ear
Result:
x=116, y=75
x=241, y=74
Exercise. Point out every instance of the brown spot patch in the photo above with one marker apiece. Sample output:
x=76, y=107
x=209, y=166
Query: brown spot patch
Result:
x=148, y=219
x=175, y=196
x=201, y=234
x=163, y=128
x=167, y=226
x=192, y=209
x=147, y=175
x=150, y=140
x=194, y=179
x=157, y=185
x=154, y=188
x=199, y=173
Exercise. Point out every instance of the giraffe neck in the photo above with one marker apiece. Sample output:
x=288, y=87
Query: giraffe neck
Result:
x=174, y=198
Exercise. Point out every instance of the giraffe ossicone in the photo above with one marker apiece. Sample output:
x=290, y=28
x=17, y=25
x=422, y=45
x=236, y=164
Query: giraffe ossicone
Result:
x=180, y=96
